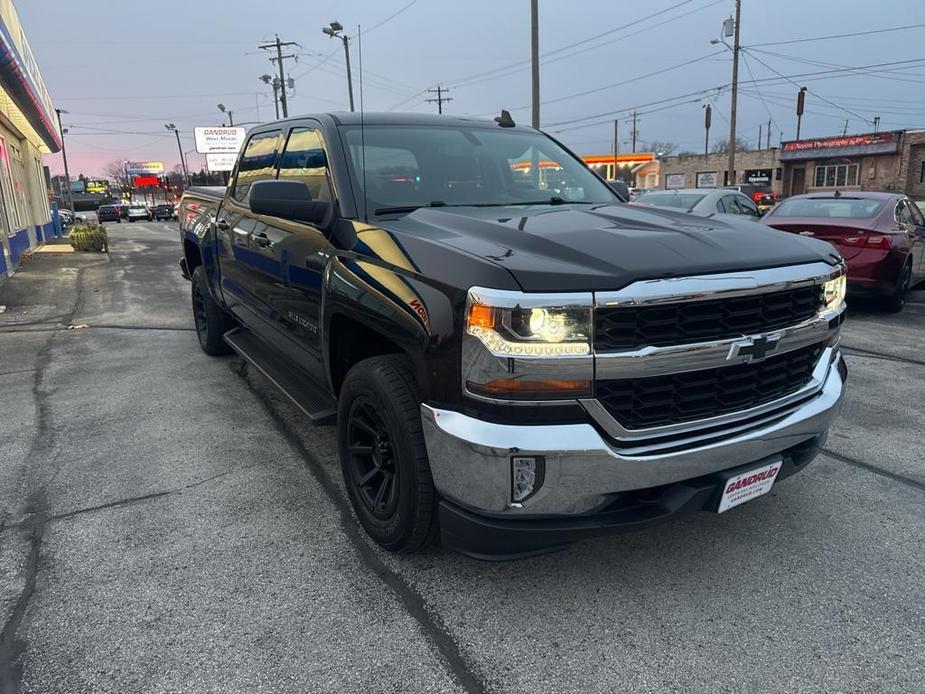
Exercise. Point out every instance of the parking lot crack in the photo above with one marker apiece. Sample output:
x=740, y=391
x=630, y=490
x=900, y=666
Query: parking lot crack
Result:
x=431, y=625
x=858, y=352
x=902, y=479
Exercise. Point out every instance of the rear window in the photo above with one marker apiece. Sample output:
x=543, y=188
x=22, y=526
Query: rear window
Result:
x=832, y=208
x=107, y=208
x=683, y=201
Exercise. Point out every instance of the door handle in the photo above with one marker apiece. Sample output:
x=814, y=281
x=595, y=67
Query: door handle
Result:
x=262, y=240
x=222, y=225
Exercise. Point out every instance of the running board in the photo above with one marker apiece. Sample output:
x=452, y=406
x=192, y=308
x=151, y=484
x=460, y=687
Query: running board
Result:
x=305, y=392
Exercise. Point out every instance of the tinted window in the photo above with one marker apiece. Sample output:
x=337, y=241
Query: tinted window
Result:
x=746, y=206
x=684, y=201
x=258, y=163
x=305, y=160
x=840, y=208
x=917, y=216
x=419, y=165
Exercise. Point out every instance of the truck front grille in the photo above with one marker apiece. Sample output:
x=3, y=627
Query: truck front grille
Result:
x=623, y=328
x=642, y=403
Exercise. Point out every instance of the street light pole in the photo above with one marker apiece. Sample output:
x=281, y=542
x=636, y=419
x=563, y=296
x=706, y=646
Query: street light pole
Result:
x=67, y=174
x=176, y=132
x=801, y=99
x=221, y=107
x=735, y=93
x=335, y=30
x=535, y=59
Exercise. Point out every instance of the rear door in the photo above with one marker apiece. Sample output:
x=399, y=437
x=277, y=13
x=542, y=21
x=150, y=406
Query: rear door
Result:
x=912, y=219
x=243, y=261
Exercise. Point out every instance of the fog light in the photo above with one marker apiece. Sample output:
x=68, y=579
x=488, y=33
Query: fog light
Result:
x=527, y=474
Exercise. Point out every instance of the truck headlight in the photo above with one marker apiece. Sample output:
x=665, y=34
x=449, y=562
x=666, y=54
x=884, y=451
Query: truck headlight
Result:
x=523, y=346
x=834, y=292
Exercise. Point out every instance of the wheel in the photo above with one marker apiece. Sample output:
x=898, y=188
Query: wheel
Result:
x=895, y=302
x=118, y=221
x=383, y=457
x=211, y=321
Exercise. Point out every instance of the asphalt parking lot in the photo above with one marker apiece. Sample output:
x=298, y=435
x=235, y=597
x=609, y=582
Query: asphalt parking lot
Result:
x=169, y=523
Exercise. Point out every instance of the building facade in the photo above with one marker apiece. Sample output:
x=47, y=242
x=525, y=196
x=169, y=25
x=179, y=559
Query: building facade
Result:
x=892, y=161
x=28, y=129
x=759, y=166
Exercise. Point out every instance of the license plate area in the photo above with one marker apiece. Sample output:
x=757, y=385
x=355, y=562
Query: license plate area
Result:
x=749, y=484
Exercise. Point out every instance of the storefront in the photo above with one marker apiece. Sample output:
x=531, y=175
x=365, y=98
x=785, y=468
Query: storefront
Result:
x=28, y=129
x=887, y=161
x=628, y=167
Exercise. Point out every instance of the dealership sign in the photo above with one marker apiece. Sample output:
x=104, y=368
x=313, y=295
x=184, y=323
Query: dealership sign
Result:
x=144, y=168
x=220, y=162
x=218, y=140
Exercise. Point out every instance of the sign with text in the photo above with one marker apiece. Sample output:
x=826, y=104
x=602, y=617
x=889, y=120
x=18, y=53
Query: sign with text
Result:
x=219, y=140
x=141, y=181
x=675, y=180
x=844, y=146
x=220, y=162
x=144, y=168
x=706, y=179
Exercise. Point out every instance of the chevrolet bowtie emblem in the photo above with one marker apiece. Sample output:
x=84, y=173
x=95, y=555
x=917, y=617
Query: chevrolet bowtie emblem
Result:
x=755, y=348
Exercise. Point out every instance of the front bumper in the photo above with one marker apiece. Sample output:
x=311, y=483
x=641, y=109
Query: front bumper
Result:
x=585, y=474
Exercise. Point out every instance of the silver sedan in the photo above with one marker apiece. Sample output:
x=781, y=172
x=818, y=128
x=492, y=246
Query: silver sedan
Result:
x=701, y=201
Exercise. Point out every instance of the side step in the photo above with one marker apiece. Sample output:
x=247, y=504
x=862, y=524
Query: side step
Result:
x=305, y=392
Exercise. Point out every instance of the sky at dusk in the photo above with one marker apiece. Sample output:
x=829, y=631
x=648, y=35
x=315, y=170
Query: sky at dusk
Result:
x=123, y=69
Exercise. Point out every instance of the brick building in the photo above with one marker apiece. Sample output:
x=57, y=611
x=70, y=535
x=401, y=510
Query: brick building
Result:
x=760, y=166
x=885, y=161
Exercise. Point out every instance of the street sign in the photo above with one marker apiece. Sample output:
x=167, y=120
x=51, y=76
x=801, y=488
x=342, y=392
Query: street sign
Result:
x=220, y=162
x=219, y=140
x=144, y=168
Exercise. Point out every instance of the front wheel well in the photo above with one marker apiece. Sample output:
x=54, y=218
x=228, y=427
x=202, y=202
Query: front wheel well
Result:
x=350, y=342
x=193, y=255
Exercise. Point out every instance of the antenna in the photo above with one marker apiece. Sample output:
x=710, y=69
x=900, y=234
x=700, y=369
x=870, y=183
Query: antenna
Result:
x=362, y=126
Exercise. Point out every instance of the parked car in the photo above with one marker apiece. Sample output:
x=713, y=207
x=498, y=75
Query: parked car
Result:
x=109, y=213
x=136, y=212
x=163, y=212
x=705, y=202
x=880, y=235
x=512, y=364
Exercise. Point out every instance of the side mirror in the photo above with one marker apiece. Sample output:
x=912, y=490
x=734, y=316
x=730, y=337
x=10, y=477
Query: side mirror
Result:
x=287, y=200
x=620, y=189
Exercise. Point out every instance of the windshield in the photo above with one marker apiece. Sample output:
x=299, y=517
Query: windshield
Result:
x=684, y=201
x=417, y=166
x=839, y=208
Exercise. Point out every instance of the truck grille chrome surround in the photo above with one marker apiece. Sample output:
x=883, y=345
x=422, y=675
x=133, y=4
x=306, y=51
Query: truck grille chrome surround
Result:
x=656, y=395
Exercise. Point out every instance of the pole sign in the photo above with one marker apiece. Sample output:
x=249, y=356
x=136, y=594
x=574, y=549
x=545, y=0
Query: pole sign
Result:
x=144, y=168
x=220, y=162
x=219, y=140
x=142, y=181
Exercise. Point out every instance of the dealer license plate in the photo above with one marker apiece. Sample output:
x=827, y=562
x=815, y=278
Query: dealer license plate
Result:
x=749, y=485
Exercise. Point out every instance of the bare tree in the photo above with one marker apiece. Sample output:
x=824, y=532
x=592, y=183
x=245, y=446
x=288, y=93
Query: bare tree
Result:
x=119, y=180
x=665, y=147
x=722, y=147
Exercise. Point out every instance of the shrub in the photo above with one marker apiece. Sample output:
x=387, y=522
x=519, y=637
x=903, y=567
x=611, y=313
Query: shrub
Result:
x=89, y=237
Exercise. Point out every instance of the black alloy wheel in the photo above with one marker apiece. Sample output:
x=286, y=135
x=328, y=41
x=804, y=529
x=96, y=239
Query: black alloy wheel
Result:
x=210, y=320
x=897, y=301
x=371, y=458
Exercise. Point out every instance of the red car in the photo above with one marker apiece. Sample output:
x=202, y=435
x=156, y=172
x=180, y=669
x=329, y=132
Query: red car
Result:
x=880, y=235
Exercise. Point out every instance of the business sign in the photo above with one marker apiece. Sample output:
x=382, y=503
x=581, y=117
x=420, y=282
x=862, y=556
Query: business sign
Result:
x=706, y=179
x=77, y=186
x=758, y=177
x=675, y=180
x=845, y=146
x=220, y=162
x=218, y=140
x=144, y=168
x=142, y=181
x=97, y=186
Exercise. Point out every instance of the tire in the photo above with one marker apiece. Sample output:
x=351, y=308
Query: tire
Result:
x=895, y=302
x=383, y=457
x=211, y=321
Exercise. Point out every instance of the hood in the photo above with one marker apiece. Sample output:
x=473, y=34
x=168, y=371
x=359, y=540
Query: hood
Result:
x=605, y=247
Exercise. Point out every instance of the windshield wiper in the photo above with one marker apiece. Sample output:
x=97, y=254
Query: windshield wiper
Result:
x=408, y=208
x=555, y=200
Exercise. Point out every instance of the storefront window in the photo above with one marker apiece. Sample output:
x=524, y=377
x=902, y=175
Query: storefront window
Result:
x=6, y=184
x=836, y=175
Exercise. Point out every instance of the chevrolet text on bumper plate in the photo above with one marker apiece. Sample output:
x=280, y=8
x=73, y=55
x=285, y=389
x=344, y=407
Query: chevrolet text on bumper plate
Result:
x=749, y=485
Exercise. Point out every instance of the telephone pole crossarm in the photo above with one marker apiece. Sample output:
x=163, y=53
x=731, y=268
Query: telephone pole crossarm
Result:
x=278, y=45
x=441, y=99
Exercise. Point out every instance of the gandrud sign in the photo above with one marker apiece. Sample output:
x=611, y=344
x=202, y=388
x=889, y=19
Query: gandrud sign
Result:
x=218, y=140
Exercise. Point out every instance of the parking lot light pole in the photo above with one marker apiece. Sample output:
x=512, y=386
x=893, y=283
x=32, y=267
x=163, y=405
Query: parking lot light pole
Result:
x=171, y=126
x=67, y=175
x=221, y=107
x=335, y=30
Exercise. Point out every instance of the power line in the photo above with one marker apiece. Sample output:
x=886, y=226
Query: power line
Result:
x=389, y=18
x=838, y=36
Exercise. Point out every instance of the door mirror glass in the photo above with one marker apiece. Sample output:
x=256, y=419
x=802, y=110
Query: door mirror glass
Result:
x=287, y=200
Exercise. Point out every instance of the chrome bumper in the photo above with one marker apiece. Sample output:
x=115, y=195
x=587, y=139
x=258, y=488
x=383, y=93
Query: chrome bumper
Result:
x=470, y=458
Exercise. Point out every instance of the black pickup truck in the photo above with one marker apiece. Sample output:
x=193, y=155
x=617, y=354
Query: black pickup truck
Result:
x=514, y=358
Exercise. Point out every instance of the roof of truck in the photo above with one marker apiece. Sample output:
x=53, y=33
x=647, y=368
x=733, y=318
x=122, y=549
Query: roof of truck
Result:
x=389, y=118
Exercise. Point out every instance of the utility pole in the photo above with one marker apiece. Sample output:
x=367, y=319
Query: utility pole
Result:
x=273, y=82
x=876, y=124
x=707, y=121
x=67, y=175
x=735, y=93
x=634, y=132
x=769, y=133
x=176, y=132
x=801, y=98
x=616, y=147
x=278, y=45
x=335, y=29
x=845, y=129
x=535, y=58
x=439, y=91
x=759, y=135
